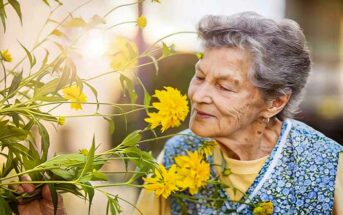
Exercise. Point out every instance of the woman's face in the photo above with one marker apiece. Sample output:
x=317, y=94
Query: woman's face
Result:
x=223, y=100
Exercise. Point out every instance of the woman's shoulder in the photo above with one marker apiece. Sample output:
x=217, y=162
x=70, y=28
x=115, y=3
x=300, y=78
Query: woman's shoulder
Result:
x=303, y=135
x=185, y=139
x=181, y=143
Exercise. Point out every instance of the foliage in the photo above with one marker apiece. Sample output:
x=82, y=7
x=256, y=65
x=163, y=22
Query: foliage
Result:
x=29, y=95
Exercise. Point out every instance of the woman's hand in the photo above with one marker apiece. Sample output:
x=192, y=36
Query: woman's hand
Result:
x=42, y=206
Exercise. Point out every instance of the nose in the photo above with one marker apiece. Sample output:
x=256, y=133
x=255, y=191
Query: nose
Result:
x=202, y=94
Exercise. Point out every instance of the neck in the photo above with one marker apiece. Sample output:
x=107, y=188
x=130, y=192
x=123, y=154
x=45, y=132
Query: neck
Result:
x=252, y=142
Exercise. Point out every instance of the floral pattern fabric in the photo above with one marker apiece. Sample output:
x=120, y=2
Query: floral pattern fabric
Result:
x=298, y=177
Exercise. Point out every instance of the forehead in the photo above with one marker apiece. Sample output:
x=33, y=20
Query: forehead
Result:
x=222, y=62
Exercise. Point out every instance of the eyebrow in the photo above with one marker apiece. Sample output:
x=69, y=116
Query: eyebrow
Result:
x=223, y=77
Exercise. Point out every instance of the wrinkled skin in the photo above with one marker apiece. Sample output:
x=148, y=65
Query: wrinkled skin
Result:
x=226, y=106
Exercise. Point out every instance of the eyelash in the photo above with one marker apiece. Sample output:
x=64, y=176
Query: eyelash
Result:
x=220, y=86
x=199, y=78
x=223, y=88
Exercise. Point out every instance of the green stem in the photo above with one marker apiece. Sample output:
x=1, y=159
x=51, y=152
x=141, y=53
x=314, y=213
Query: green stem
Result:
x=123, y=5
x=164, y=137
x=38, y=182
x=122, y=23
x=169, y=35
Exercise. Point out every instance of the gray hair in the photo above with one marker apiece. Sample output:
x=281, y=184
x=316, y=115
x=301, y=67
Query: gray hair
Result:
x=281, y=59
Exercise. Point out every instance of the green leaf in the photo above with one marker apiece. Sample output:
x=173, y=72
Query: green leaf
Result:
x=32, y=161
x=132, y=139
x=29, y=125
x=131, y=50
x=70, y=160
x=10, y=133
x=3, y=15
x=99, y=176
x=58, y=33
x=113, y=205
x=155, y=63
x=55, y=98
x=4, y=207
x=46, y=2
x=75, y=23
x=144, y=163
x=147, y=99
x=16, y=6
x=95, y=93
x=89, y=191
x=45, y=141
x=74, y=77
x=111, y=123
x=96, y=20
x=128, y=85
x=49, y=87
x=45, y=59
x=86, y=177
x=165, y=50
x=15, y=84
x=89, y=160
x=54, y=197
x=60, y=46
x=30, y=57
x=66, y=174
x=15, y=118
x=63, y=81
x=7, y=168
x=69, y=188
x=59, y=2
x=112, y=208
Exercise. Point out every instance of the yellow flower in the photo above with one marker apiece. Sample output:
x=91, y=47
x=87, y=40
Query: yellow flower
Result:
x=61, y=120
x=207, y=148
x=158, y=1
x=194, y=171
x=141, y=21
x=123, y=54
x=6, y=56
x=199, y=55
x=74, y=94
x=84, y=152
x=164, y=182
x=172, y=109
x=264, y=208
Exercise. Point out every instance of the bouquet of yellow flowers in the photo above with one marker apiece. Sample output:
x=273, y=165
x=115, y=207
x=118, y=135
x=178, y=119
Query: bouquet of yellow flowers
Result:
x=29, y=96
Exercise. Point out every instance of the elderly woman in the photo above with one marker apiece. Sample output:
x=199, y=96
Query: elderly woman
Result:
x=244, y=92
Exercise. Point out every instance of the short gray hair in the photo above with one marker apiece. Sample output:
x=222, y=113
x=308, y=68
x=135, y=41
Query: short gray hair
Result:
x=281, y=59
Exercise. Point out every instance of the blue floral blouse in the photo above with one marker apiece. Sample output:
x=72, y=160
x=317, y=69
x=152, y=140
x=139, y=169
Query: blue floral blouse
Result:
x=298, y=177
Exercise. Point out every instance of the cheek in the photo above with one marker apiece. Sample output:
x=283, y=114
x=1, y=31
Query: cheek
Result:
x=239, y=110
x=191, y=90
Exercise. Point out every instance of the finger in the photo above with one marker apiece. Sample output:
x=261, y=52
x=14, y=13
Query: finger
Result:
x=49, y=208
x=47, y=194
x=29, y=188
x=25, y=178
x=18, y=188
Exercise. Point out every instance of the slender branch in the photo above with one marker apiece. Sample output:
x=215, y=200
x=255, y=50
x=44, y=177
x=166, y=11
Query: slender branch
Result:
x=123, y=5
x=122, y=23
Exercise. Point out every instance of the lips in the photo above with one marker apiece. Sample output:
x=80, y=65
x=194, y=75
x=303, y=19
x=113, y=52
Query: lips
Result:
x=203, y=114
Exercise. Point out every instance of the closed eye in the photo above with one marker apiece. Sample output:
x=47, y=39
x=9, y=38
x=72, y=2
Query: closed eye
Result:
x=224, y=88
x=199, y=78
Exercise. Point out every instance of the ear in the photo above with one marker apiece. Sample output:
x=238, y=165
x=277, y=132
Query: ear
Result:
x=276, y=105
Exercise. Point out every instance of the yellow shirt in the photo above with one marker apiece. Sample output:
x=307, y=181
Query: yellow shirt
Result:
x=243, y=173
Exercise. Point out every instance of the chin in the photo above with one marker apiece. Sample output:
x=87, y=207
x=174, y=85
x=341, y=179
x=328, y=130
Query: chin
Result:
x=202, y=131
